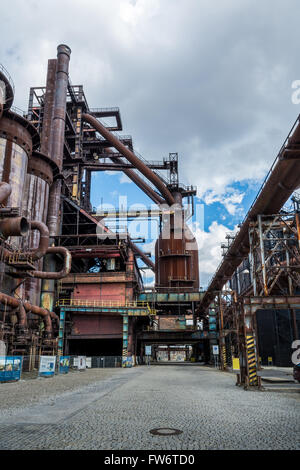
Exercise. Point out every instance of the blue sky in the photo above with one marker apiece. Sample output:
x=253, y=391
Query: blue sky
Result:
x=107, y=189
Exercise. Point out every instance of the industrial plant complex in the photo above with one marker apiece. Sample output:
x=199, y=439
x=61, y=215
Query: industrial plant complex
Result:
x=70, y=285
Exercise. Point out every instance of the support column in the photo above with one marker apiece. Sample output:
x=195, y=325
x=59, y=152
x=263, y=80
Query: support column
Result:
x=222, y=337
x=212, y=330
x=125, y=362
x=248, y=348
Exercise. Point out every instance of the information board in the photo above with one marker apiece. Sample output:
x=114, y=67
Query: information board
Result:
x=47, y=366
x=10, y=368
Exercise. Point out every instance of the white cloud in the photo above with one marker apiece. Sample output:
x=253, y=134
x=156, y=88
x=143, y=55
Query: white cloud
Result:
x=211, y=82
x=124, y=179
x=210, y=253
x=231, y=199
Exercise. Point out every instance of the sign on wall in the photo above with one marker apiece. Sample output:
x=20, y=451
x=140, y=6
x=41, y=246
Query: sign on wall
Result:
x=47, y=366
x=10, y=368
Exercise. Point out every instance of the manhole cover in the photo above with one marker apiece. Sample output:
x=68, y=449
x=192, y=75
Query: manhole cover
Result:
x=165, y=432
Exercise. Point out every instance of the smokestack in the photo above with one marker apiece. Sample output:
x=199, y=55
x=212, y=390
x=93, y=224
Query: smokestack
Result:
x=58, y=131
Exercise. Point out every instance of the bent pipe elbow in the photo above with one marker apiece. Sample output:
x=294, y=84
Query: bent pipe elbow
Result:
x=41, y=312
x=16, y=304
x=27, y=307
x=41, y=250
x=53, y=275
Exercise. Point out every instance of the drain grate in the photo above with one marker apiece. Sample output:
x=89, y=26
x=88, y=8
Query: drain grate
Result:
x=165, y=432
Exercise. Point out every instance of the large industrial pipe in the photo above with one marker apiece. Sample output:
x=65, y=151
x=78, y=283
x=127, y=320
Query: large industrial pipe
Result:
x=144, y=257
x=41, y=250
x=140, y=183
x=13, y=227
x=52, y=275
x=22, y=316
x=48, y=107
x=42, y=312
x=58, y=132
x=116, y=143
x=15, y=303
x=59, y=110
x=18, y=226
x=66, y=268
x=56, y=149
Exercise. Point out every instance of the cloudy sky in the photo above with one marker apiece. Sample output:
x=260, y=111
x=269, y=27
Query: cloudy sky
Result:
x=209, y=79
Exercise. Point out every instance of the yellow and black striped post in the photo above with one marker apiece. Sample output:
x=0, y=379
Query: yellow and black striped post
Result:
x=251, y=361
x=224, y=358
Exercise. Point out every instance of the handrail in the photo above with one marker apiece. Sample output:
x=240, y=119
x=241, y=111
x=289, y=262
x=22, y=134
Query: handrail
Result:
x=99, y=110
x=102, y=303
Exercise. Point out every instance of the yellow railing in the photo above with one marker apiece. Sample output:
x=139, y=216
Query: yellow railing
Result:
x=102, y=303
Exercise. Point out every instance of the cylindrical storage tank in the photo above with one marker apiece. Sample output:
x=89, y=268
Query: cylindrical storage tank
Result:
x=35, y=207
x=17, y=138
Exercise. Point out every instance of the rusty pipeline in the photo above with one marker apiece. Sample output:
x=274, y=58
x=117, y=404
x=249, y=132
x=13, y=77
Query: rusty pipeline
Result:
x=18, y=305
x=140, y=183
x=41, y=250
x=55, y=146
x=42, y=312
x=14, y=226
x=66, y=268
x=52, y=275
x=139, y=165
x=59, y=108
x=18, y=226
x=22, y=316
x=27, y=307
x=144, y=257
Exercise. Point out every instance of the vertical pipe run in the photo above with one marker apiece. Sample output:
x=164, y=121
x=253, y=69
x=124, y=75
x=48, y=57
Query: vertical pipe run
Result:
x=48, y=107
x=58, y=132
x=56, y=146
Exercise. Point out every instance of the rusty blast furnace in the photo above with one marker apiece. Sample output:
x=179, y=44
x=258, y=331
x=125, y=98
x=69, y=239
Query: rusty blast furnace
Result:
x=69, y=284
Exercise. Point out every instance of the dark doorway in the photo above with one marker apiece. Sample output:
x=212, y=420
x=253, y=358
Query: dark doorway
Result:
x=275, y=336
x=95, y=347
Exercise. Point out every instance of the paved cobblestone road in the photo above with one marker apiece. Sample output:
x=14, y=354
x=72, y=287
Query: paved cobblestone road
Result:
x=119, y=411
